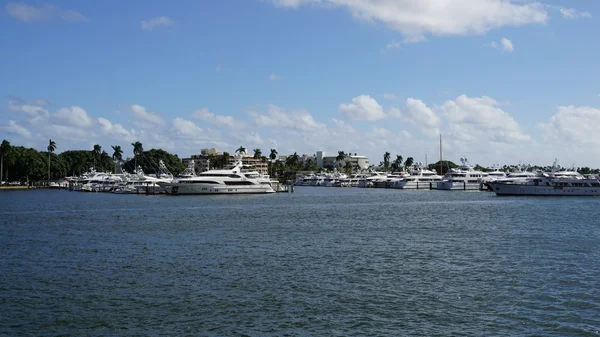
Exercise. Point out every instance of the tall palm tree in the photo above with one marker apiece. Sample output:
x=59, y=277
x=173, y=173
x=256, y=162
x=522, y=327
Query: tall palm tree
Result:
x=117, y=154
x=273, y=154
x=409, y=161
x=51, y=147
x=4, y=148
x=340, y=158
x=397, y=162
x=137, y=151
x=96, y=153
x=241, y=150
x=386, y=159
x=257, y=153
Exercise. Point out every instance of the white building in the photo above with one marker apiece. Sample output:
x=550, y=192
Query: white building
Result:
x=355, y=160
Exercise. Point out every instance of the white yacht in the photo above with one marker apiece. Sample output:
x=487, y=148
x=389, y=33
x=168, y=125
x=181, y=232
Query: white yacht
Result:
x=419, y=178
x=233, y=180
x=463, y=177
x=563, y=183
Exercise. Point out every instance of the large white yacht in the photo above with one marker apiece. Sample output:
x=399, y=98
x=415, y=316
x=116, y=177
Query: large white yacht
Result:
x=563, y=183
x=463, y=177
x=234, y=180
x=419, y=178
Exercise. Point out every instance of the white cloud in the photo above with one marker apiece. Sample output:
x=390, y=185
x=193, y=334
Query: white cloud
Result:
x=15, y=129
x=27, y=13
x=186, y=127
x=390, y=97
x=145, y=119
x=148, y=25
x=504, y=45
x=73, y=116
x=507, y=45
x=219, y=120
x=285, y=119
x=294, y=3
x=407, y=40
x=274, y=77
x=573, y=14
x=417, y=113
x=116, y=130
x=480, y=119
x=363, y=107
x=416, y=18
x=576, y=126
x=218, y=68
x=32, y=110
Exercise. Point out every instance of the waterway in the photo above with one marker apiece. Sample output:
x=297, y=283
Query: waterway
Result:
x=317, y=262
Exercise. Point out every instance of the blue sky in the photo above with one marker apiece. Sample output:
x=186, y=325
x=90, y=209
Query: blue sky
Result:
x=503, y=81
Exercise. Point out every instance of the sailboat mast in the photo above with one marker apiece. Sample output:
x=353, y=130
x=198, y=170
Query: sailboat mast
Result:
x=440, y=154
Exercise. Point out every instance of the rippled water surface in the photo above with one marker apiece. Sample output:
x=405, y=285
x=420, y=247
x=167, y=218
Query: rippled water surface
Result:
x=318, y=262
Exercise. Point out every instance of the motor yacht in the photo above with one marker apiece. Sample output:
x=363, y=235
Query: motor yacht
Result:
x=464, y=177
x=236, y=179
x=419, y=178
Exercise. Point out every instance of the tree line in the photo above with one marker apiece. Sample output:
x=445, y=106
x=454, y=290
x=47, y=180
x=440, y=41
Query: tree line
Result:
x=18, y=163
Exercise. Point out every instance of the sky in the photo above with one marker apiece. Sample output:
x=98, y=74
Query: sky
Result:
x=503, y=82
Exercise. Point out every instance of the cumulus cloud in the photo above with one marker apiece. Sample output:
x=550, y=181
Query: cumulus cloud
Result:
x=416, y=18
x=574, y=125
x=219, y=120
x=15, y=129
x=33, y=110
x=285, y=119
x=150, y=24
x=73, y=116
x=363, y=107
x=417, y=113
x=480, y=118
x=27, y=13
x=144, y=118
x=389, y=96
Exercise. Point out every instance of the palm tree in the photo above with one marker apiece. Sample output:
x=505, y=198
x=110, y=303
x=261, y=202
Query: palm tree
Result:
x=137, y=151
x=340, y=158
x=386, y=159
x=409, y=161
x=51, y=148
x=4, y=149
x=397, y=162
x=241, y=150
x=117, y=154
x=257, y=153
x=96, y=152
x=273, y=154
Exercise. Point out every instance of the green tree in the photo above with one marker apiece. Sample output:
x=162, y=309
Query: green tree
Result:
x=348, y=167
x=96, y=153
x=138, y=149
x=409, y=161
x=340, y=158
x=4, y=150
x=273, y=154
x=386, y=160
x=257, y=153
x=151, y=160
x=51, y=147
x=117, y=154
x=241, y=150
x=397, y=164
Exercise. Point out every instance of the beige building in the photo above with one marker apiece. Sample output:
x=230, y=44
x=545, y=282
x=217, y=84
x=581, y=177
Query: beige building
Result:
x=202, y=161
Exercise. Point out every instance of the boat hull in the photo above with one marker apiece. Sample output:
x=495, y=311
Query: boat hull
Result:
x=519, y=189
x=190, y=189
x=456, y=186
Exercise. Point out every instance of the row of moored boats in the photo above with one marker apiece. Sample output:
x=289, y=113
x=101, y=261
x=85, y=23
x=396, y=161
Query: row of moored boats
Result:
x=465, y=177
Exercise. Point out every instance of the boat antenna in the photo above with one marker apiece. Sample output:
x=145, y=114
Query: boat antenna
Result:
x=441, y=154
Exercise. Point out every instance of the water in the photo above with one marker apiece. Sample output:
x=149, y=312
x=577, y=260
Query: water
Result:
x=318, y=262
